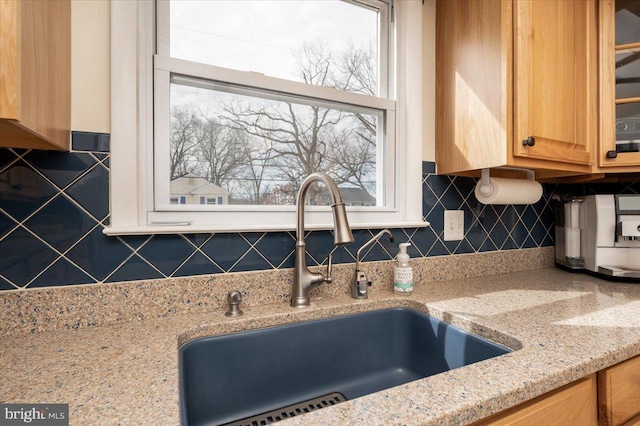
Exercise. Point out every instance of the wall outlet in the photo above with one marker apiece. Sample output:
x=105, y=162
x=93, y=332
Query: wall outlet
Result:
x=453, y=225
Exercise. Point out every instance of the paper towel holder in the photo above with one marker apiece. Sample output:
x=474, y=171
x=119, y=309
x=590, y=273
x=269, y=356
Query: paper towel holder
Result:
x=486, y=188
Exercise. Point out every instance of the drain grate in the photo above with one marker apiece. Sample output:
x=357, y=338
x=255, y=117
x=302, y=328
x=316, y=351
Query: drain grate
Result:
x=291, y=410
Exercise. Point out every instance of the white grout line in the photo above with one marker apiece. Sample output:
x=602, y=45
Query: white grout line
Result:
x=17, y=287
x=135, y=253
x=196, y=250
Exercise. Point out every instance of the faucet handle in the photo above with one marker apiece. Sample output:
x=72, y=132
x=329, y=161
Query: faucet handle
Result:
x=328, y=278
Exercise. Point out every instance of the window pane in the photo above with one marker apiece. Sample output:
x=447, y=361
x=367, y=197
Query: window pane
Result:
x=322, y=42
x=627, y=22
x=628, y=127
x=245, y=146
x=628, y=73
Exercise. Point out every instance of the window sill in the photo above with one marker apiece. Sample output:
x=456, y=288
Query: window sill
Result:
x=196, y=229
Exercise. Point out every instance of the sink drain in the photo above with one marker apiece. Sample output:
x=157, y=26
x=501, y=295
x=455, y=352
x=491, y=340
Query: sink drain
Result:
x=291, y=410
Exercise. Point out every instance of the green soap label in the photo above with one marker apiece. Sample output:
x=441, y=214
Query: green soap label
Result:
x=403, y=286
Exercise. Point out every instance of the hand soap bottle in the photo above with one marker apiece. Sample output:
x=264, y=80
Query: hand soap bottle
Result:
x=403, y=273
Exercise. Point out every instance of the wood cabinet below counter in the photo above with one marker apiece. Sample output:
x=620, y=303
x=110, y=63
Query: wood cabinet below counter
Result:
x=610, y=397
x=619, y=394
x=573, y=404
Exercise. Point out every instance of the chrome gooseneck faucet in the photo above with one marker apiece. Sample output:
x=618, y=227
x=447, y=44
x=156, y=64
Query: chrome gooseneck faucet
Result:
x=303, y=279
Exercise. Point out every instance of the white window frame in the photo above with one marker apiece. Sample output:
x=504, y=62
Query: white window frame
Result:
x=132, y=130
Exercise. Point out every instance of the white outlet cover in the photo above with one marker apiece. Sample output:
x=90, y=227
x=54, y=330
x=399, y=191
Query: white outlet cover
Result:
x=453, y=225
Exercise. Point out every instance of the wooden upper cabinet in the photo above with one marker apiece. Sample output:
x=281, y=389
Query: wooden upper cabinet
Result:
x=555, y=79
x=620, y=85
x=35, y=74
x=510, y=70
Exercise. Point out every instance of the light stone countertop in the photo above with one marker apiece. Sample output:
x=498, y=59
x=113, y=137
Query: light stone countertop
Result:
x=564, y=326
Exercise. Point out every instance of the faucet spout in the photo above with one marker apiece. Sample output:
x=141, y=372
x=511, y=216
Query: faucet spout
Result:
x=304, y=280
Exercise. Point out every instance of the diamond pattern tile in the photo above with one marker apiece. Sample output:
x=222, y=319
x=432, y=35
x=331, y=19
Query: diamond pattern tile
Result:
x=62, y=272
x=438, y=248
x=476, y=235
x=62, y=198
x=135, y=241
x=290, y=261
x=99, y=255
x=435, y=217
x=6, y=224
x=6, y=157
x=340, y=255
x=519, y=233
x=60, y=223
x=135, y=268
x=538, y=233
x=383, y=249
x=499, y=234
x=23, y=257
x=226, y=249
x=197, y=264
x=84, y=191
x=423, y=240
x=451, y=199
x=464, y=247
x=319, y=245
x=61, y=168
x=252, y=261
x=166, y=252
x=252, y=237
x=6, y=285
x=276, y=247
x=197, y=239
x=529, y=243
x=23, y=190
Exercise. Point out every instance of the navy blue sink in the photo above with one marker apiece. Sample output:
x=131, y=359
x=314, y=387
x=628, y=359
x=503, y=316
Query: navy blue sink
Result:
x=237, y=376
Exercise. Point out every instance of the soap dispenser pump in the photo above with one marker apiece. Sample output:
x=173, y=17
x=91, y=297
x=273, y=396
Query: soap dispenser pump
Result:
x=403, y=273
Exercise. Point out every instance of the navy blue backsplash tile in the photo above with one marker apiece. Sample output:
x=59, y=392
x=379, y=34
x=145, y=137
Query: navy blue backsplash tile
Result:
x=54, y=206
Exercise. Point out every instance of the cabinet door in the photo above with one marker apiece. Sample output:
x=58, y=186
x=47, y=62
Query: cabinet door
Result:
x=555, y=80
x=619, y=392
x=620, y=83
x=573, y=404
x=35, y=74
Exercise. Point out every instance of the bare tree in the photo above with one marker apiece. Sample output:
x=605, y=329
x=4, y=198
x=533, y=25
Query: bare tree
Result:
x=296, y=133
x=220, y=151
x=359, y=73
x=315, y=63
x=258, y=155
x=353, y=162
x=183, y=139
x=266, y=147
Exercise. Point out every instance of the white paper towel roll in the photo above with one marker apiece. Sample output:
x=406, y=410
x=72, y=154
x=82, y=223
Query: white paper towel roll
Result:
x=510, y=191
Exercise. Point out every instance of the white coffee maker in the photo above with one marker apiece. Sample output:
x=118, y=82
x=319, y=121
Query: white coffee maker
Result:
x=600, y=233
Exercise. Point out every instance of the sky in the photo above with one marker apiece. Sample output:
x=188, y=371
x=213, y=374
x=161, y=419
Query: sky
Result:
x=261, y=35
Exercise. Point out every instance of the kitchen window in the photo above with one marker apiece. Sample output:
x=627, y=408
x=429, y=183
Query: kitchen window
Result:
x=238, y=101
